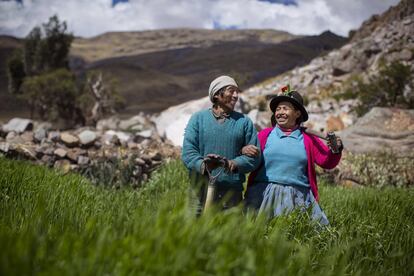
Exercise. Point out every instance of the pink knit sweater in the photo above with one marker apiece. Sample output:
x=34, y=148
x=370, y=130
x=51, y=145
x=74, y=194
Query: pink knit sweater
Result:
x=316, y=151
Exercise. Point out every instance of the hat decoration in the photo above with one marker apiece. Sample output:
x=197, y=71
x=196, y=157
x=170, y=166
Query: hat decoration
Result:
x=290, y=95
x=286, y=90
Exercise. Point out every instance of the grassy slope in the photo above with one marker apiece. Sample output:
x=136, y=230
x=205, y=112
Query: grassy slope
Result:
x=54, y=224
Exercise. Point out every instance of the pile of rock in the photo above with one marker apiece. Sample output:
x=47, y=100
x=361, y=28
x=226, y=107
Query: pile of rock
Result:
x=133, y=143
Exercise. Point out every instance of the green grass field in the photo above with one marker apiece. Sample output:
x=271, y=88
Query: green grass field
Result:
x=63, y=225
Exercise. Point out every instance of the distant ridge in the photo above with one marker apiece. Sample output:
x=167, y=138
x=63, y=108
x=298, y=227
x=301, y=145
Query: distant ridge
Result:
x=116, y=44
x=161, y=68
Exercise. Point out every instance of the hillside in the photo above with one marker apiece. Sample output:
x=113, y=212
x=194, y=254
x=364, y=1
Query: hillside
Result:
x=159, y=69
x=324, y=79
x=380, y=41
x=117, y=44
x=174, y=76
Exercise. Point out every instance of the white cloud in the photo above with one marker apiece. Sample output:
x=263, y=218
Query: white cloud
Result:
x=89, y=18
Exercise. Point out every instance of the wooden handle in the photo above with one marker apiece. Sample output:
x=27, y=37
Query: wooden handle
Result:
x=316, y=133
x=209, y=197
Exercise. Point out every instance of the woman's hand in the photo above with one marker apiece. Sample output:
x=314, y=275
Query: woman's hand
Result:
x=232, y=166
x=250, y=150
x=336, y=147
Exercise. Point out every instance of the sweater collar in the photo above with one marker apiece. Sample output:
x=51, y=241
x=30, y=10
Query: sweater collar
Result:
x=293, y=133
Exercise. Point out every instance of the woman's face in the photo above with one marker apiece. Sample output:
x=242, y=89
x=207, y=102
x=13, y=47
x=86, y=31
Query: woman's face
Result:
x=286, y=115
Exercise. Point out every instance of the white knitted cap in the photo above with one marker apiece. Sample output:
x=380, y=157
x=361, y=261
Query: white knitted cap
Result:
x=219, y=83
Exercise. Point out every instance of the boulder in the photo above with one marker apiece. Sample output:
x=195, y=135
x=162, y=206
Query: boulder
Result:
x=26, y=151
x=45, y=125
x=69, y=139
x=334, y=123
x=146, y=134
x=13, y=137
x=4, y=147
x=381, y=129
x=72, y=155
x=39, y=135
x=83, y=160
x=87, y=137
x=61, y=153
x=107, y=124
x=110, y=134
x=405, y=54
x=137, y=122
x=27, y=136
x=18, y=125
x=48, y=160
x=63, y=165
x=53, y=136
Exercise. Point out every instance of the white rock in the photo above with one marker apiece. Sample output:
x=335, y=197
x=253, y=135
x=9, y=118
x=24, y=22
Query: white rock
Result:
x=145, y=133
x=87, y=137
x=172, y=122
x=107, y=124
x=122, y=136
x=133, y=122
x=60, y=152
x=18, y=125
x=39, y=134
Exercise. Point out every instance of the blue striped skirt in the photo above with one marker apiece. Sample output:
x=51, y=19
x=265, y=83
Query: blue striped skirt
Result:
x=274, y=200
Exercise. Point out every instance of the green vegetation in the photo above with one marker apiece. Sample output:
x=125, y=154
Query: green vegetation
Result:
x=381, y=169
x=52, y=224
x=386, y=89
x=40, y=74
x=53, y=95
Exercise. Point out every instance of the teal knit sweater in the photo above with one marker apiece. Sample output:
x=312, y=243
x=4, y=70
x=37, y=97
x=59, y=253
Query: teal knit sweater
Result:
x=204, y=135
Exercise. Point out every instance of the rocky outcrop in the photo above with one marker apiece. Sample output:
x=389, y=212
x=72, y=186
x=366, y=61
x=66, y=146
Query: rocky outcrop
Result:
x=381, y=129
x=325, y=77
x=115, y=156
x=322, y=79
x=398, y=12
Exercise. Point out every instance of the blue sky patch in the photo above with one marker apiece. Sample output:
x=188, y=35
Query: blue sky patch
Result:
x=114, y=2
x=284, y=2
x=218, y=26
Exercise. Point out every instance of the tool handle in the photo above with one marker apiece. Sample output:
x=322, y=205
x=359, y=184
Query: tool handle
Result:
x=209, y=197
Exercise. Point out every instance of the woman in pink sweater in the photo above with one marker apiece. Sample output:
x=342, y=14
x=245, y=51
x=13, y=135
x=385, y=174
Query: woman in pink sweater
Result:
x=286, y=178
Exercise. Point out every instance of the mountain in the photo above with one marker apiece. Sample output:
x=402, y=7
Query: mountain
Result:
x=380, y=40
x=154, y=81
x=162, y=68
x=396, y=13
x=117, y=44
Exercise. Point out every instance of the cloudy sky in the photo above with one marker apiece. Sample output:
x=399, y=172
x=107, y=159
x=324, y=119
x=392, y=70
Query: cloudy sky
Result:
x=92, y=17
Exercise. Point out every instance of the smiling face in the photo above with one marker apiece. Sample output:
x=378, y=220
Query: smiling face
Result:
x=228, y=98
x=286, y=115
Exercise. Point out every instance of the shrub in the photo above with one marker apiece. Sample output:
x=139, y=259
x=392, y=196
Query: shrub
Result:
x=53, y=95
x=385, y=89
x=380, y=169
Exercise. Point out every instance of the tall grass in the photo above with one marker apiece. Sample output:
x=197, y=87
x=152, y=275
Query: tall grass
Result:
x=53, y=224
